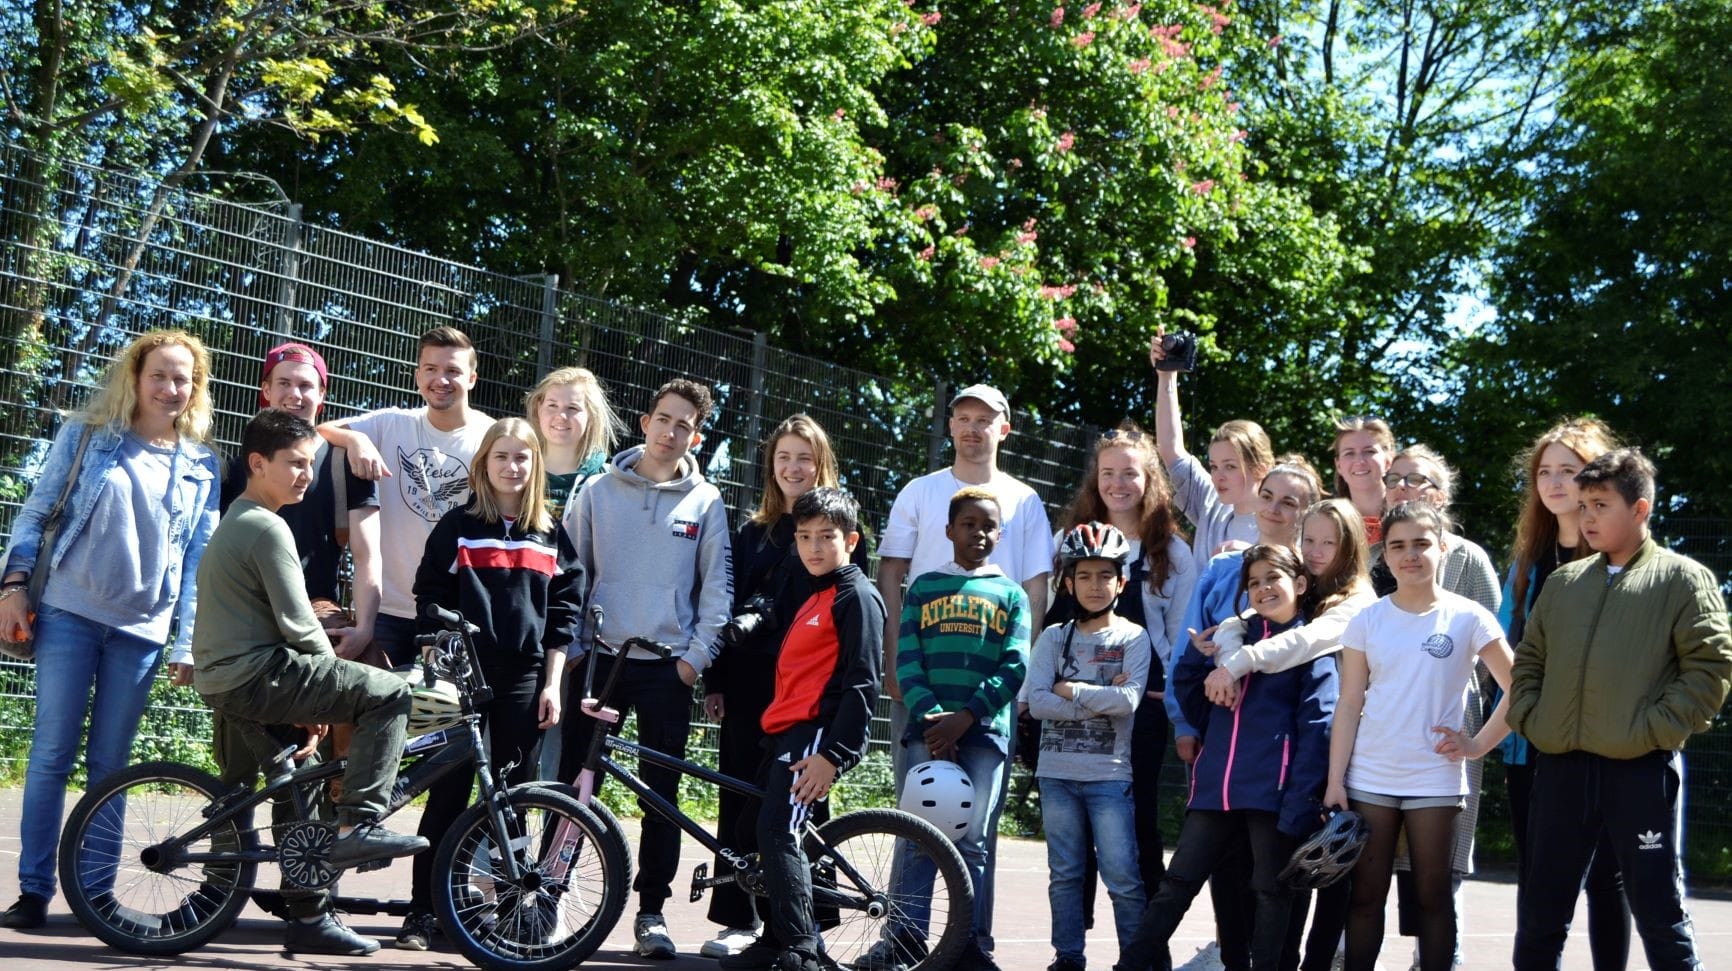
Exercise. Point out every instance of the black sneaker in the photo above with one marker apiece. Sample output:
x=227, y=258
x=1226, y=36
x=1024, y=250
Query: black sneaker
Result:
x=796, y=960
x=368, y=842
x=327, y=936
x=30, y=911
x=1066, y=964
x=760, y=955
x=417, y=932
x=975, y=958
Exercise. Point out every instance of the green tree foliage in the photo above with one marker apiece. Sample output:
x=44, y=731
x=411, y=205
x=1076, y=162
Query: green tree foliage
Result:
x=1003, y=190
x=1616, y=299
x=1412, y=127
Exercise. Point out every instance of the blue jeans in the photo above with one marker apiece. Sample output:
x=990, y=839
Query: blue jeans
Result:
x=915, y=872
x=73, y=655
x=1069, y=812
x=396, y=637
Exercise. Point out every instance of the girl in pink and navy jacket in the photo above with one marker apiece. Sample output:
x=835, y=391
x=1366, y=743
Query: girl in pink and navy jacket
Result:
x=1260, y=774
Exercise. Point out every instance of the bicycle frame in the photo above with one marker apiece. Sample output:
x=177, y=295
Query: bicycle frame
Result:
x=441, y=753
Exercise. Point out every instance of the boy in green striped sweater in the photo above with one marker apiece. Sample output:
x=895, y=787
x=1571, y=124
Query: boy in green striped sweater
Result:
x=961, y=655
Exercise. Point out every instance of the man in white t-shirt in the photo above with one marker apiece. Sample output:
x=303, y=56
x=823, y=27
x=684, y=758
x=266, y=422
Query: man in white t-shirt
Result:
x=914, y=542
x=420, y=457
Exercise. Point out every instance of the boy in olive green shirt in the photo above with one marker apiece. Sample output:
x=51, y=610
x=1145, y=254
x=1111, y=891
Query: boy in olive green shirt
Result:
x=261, y=655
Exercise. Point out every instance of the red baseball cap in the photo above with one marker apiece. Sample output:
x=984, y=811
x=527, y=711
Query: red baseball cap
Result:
x=299, y=353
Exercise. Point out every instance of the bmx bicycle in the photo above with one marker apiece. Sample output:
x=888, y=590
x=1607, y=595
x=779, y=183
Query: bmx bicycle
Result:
x=160, y=858
x=851, y=856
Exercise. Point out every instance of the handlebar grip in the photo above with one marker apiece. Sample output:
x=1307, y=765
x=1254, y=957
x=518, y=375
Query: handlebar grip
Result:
x=426, y=640
x=663, y=651
x=428, y=678
x=451, y=619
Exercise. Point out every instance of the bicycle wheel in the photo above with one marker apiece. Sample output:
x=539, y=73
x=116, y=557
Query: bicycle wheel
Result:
x=123, y=863
x=568, y=898
x=854, y=877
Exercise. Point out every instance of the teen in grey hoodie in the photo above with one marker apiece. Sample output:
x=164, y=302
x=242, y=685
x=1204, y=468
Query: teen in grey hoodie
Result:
x=652, y=536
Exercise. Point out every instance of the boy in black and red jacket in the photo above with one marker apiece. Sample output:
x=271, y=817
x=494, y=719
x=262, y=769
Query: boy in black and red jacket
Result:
x=817, y=724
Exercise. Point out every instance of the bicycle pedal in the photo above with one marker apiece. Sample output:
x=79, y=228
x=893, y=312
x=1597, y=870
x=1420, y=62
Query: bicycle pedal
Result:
x=700, y=877
x=372, y=865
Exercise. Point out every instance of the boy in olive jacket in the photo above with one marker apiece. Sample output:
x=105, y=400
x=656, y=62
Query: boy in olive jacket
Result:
x=1626, y=654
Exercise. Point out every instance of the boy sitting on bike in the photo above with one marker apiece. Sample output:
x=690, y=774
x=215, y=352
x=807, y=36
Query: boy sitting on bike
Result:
x=817, y=724
x=260, y=654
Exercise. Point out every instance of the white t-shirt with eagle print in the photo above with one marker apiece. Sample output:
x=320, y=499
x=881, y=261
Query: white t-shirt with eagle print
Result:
x=429, y=477
x=1420, y=667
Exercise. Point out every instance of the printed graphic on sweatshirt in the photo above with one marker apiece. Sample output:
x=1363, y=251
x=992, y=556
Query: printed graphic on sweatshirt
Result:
x=1091, y=736
x=432, y=481
x=686, y=529
x=962, y=613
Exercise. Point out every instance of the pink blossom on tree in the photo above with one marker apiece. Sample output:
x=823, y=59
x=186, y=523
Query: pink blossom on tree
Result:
x=839, y=114
x=1211, y=79
x=1065, y=325
x=1275, y=41
x=1189, y=242
x=1139, y=65
x=1092, y=9
x=961, y=231
x=1029, y=224
x=1084, y=39
x=1058, y=16
x=988, y=262
x=1065, y=142
x=926, y=212
x=1027, y=236
x=931, y=19
x=897, y=28
x=886, y=184
x=1066, y=346
x=1238, y=136
x=1204, y=187
x=927, y=253
x=1016, y=163
x=1130, y=12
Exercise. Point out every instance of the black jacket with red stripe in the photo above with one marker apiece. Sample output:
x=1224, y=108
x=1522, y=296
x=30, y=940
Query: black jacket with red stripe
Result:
x=523, y=588
x=827, y=671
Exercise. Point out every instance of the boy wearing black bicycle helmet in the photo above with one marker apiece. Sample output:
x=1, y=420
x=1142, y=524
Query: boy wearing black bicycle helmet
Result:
x=1085, y=680
x=817, y=724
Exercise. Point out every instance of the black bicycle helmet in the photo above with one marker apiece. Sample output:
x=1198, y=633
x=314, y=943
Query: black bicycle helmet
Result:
x=1330, y=852
x=1094, y=541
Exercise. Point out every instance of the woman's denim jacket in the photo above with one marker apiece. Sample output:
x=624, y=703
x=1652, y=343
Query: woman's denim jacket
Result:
x=189, y=529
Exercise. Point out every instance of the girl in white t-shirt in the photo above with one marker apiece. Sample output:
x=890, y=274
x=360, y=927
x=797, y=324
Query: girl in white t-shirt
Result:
x=1396, y=752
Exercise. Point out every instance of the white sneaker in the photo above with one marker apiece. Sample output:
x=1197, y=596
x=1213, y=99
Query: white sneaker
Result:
x=729, y=942
x=1207, y=958
x=652, y=938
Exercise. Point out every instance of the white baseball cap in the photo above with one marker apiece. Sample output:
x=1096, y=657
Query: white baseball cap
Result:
x=987, y=395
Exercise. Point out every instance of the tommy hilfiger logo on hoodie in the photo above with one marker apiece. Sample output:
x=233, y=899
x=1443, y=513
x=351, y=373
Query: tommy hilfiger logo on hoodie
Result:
x=686, y=528
x=1648, y=841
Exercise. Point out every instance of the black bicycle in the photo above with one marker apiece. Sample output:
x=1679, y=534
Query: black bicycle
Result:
x=160, y=858
x=852, y=855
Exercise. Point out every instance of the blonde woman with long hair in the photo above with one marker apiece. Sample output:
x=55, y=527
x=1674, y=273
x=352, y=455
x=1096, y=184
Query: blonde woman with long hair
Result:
x=142, y=506
x=578, y=430
x=505, y=563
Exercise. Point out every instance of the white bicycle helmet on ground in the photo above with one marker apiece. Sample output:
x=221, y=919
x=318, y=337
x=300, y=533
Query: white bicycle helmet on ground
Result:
x=942, y=794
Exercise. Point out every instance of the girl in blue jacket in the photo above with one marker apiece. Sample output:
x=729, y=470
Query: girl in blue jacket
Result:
x=1260, y=773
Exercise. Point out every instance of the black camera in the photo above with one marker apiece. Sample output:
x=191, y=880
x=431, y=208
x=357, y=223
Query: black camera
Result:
x=757, y=614
x=1180, y=350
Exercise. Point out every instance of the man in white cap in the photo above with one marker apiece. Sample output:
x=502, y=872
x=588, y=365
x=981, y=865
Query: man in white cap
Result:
x=915, y=543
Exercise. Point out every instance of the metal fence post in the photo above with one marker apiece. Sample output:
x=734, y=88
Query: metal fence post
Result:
x=755, y=413
x=549, y=318
x=940, y=410
x=291, y=272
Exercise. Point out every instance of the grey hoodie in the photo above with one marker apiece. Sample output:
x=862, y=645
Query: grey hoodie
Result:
x=656, y=558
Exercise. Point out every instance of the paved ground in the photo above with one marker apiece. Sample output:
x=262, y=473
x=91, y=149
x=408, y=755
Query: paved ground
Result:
x=1021, y=920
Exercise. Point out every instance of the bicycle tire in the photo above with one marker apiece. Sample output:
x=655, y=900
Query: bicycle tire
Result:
x=867, y=840
x=609, y=823
x=543, y=923
x=141, y=909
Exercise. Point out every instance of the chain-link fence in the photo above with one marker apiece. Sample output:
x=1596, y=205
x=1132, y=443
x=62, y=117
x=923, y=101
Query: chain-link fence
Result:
x=89, y=258
x=76, y=285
